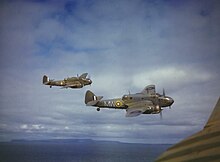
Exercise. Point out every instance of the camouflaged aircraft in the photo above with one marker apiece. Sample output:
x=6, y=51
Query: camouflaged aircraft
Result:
x=72, y=82
x=145, y=102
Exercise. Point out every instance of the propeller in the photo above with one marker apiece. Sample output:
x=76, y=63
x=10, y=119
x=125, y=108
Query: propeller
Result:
x=164, y=94
x=89, y=78
x=161, y=114
x=160, y=99
x=158, y=108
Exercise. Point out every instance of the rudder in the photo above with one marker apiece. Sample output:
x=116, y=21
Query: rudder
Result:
x=91, y=99
x=89, y=96
x=45, y=79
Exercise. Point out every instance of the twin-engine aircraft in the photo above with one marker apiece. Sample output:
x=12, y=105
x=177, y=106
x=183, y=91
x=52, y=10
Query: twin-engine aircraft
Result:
x=145, y=102
x=72, y=82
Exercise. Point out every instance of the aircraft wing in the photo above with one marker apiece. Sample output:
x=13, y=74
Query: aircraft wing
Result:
x=149, y=90
x=137, y=108
x=74, y=84
x=200, y=147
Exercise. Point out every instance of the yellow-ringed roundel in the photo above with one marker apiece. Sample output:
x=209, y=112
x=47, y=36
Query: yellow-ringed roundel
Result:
x=62, y=83
x=118, y=103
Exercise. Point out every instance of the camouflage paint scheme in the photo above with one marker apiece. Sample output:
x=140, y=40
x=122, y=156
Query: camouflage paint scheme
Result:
x=145, y=102
x=72, y=82
x=203, y=146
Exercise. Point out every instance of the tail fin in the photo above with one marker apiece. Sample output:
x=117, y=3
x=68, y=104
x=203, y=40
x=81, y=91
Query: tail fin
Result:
x=83, y=76
x=91, y=99
x=45, y=79
x=214, y=117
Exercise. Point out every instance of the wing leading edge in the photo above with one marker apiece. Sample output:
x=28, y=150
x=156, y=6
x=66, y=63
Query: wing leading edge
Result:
x=137, y=108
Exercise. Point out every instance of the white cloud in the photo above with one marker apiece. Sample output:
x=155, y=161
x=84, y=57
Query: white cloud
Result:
x=173, y=76
x=32, y=127
x=124, y=46
x=37, y=126
x=24, y=126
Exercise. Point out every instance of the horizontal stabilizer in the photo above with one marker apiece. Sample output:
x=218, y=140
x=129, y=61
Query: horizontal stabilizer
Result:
x=92, y=103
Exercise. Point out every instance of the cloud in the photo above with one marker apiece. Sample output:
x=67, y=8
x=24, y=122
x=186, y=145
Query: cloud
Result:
x=123, y=46
x=172, y=76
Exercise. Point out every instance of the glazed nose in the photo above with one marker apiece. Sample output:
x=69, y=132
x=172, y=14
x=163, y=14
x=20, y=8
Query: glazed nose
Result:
x=171, y=100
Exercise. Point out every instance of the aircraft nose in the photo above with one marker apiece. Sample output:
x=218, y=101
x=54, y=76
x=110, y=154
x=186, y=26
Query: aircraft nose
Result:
x=171, y=101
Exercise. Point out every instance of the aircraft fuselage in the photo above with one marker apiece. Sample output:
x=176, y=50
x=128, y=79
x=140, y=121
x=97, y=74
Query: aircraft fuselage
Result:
x=146, y=102
x=72, y=82
x=112, y=103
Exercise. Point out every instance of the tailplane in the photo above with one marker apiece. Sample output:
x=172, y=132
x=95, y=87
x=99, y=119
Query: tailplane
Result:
x=91, y=99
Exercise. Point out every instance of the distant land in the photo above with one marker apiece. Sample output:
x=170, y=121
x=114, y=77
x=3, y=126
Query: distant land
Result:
x=64, y=141
x=78, y=150
x=81, y=141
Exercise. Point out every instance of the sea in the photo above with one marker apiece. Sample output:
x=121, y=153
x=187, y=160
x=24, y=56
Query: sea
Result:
x=78, y=151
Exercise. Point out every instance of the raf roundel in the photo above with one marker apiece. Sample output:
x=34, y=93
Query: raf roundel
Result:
x=118, y=103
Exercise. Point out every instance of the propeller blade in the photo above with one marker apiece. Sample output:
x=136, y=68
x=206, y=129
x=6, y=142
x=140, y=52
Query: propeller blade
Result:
x=164, y=94
x=161, y=115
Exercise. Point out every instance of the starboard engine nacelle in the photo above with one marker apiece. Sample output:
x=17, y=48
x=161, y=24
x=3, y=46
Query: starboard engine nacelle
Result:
x=78, y=86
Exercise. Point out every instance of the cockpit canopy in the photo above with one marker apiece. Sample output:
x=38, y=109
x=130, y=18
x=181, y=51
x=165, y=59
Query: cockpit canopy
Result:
x=127, y=97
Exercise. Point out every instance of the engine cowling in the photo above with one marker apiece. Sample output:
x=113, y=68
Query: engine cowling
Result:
x=153, y=110
x=78, y=86
x=157, y=108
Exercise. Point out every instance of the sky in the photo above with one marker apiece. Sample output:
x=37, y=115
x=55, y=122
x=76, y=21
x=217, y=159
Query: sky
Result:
x=124, y=46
